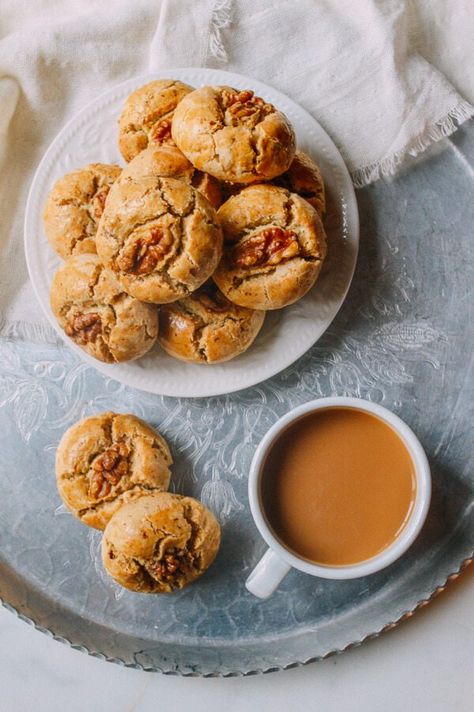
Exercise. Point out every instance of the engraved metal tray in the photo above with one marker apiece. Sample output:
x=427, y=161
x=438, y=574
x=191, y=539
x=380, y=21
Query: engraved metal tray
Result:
x=403, y=338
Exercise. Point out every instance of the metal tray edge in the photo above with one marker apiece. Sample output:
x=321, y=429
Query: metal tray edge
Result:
x=245, y=673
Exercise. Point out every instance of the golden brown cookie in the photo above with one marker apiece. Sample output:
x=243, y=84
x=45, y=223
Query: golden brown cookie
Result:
x=74, y=207
x=207, y=328
x=274, y=247
x=302, y=177
x=233, y=135
x=168, y=162
x=146, y=116
x=160, y=542
x=98, y=315
x=160, y=237
x=106, y=461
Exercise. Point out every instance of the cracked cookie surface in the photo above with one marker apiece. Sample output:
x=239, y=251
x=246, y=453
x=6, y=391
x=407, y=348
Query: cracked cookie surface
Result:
x=160, y=237
x=96, y=313
x=274, y=247
x=160, y=543
x=206, y=327
x=147, y=114
x=74, y=207
x=107, y=460
x=302, y=177
x=167, y=161
x=233, y=135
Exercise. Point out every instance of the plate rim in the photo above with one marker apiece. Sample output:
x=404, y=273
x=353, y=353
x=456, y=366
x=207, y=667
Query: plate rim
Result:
x=29, y=226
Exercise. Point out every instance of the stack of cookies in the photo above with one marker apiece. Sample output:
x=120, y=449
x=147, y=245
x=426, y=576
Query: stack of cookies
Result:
x=112, y=472
x=215, y=220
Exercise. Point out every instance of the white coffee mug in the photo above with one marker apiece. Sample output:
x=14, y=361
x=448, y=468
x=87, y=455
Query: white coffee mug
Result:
x=278, y=560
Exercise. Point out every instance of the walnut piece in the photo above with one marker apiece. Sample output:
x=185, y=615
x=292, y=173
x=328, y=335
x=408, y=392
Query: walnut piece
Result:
x=268, y=247
x=167, y=568
x=84, y=328
x=244, y=106
x=142, y=256
x=109, y=468
x=162, y=132
x=98, y=203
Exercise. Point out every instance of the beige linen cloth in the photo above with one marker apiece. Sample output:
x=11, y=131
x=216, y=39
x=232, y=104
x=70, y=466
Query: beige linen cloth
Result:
x=386, y=78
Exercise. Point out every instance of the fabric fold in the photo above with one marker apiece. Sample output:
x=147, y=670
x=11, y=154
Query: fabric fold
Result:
x=386, y=79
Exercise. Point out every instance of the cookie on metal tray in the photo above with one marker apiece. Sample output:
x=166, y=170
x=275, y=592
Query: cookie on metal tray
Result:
x=160, y=542
x=107, y=460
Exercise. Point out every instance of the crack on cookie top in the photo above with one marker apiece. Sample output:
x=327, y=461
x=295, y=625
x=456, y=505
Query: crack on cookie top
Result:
x=211, y=298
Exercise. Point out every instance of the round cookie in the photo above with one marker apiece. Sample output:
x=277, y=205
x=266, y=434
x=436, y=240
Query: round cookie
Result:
x=160, y=542
x=160, y=237
x=274, y=247
x=233, y=135
x=165, y=161
x=98, y=315
x=304, y=178
x=74, y=206
x=146, y=116
x=206, y=327
x=106, y=461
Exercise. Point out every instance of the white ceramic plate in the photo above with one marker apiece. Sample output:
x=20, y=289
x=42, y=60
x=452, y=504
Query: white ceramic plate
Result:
x=91, y=136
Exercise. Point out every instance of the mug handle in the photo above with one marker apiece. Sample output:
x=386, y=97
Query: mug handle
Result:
x=267, y=575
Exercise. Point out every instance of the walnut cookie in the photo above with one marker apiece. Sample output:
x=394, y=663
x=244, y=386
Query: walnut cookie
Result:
x=233, y=135
x=107, y=460
x=98, y=315
x=274, y=247
x=160, y=237
x=168, y=162
x=206, y=327
x=302, y=177
x=74, y=207
x=146, y=116
x=160, y=542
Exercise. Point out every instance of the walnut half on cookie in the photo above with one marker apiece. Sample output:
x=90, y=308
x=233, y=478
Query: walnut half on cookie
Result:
x=96, y=313
x=233, y=135
x=107, y=460
x=274, y=247
x=160, y=542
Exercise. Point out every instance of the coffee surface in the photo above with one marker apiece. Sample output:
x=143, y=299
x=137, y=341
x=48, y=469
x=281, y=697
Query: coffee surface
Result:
x=338, y=486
